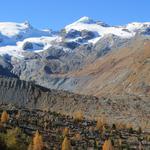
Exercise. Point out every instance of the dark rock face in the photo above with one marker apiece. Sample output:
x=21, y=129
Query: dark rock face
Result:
x=47, y=69
x=5, y=68
x=28, y=95
x=52, y=53
x=21, y=93
x=84, y=35
x=30, y=45
x=87, y=35
x=72, y=45
x=107, y=43
x=146, y=31
x=27, y=46
x=6, y=72
x=73, y=34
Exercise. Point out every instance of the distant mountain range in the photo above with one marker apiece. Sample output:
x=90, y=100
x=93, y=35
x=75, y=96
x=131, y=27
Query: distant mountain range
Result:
x=87, y=57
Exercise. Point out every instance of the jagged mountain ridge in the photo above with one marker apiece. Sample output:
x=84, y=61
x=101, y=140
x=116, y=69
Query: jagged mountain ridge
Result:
x=18, y=38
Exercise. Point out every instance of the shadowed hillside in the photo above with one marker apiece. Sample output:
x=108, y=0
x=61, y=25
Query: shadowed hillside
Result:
x=28, y=95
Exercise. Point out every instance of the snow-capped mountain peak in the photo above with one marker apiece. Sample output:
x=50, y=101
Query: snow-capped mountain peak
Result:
x=99, y=28
x=11, y=32
x=134, y=26
x=20, y=37
x=11, y=29
x=86, y=20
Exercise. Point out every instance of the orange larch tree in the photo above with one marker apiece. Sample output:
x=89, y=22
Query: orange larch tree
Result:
x=4, y=117
x=37, y=141
x=66, y=144
x=65, y=131
x=107, y=145
x=78, y=116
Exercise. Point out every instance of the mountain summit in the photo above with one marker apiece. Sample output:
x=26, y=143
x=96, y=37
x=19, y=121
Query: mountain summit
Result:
x=85, y=19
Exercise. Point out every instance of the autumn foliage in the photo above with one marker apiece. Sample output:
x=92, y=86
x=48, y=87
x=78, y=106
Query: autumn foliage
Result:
x=107, y=145
x=66, y=131
x=78, y=116
x=66, y=144
x=101, y=122
x=4, y=117
x=37, y=141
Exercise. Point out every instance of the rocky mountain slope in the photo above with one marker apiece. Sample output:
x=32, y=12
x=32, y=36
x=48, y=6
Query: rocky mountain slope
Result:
x=26, y=94
x=121, y=72
x=22, y=94
x=86, y=57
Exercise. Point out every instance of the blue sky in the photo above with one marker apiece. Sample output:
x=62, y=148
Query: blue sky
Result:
x=56, y=14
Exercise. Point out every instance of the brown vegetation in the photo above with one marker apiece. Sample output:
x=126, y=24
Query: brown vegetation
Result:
x=62, y=132
x=37, y=141
x=107, y=145
x=78, y=116
x=4, y=117
x=66, y=144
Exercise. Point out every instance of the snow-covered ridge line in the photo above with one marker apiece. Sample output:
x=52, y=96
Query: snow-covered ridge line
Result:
x=18, y=38
x=43, y=42
x=102, y=29
x=11, y=29
x=11, y=32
